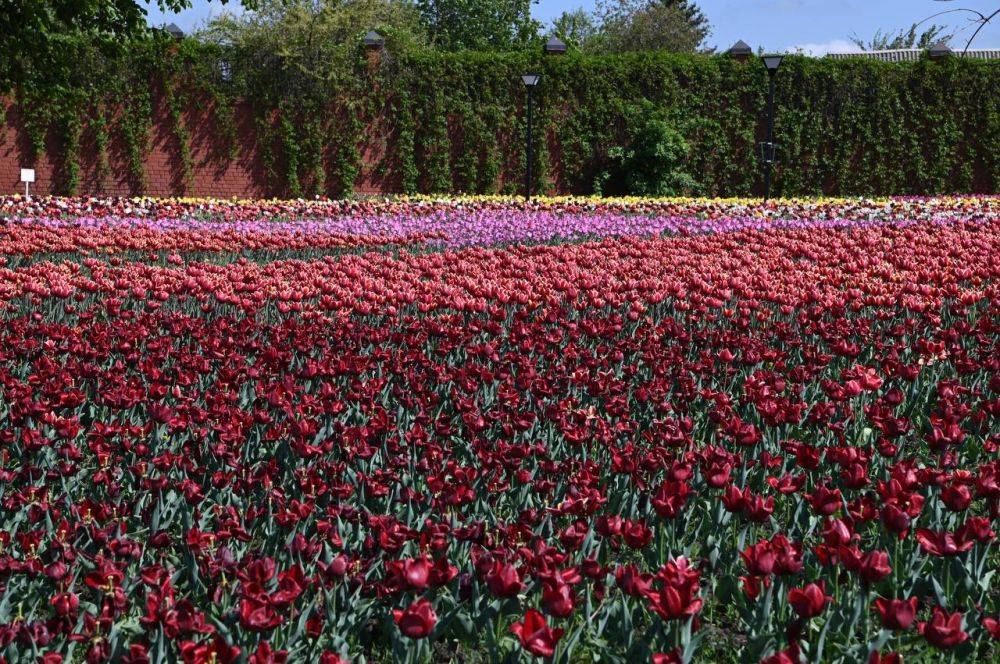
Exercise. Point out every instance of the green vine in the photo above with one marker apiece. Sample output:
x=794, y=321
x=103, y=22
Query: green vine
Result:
x=292, y=152
x=406, y=134
x=176, y=103
x=454, y=122
x=71, y=131
x=99, y=125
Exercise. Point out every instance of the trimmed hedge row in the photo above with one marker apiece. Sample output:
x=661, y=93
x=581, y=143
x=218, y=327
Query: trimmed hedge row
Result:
x=454, y=122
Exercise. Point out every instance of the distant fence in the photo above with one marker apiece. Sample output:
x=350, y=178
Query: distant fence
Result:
x=914, y=54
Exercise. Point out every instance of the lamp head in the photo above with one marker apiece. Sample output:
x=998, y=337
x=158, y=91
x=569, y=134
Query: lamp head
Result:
x=373, y=40
x=554, y=46
x=740, y=51
x=772, y=62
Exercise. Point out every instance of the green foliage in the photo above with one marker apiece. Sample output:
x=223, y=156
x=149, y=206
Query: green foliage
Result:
x=40, y=38
x=480, y=25
x=576, y=28
x=909, y=38
x=653, y=161
x=629, y=122
x=650, y=25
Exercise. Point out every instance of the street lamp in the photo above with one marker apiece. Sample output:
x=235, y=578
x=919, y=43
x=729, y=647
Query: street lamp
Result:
x=767, y=148
x=740, y=51
x=938, y=51
x=373, y=41
x=174, y=31
x=530, y=83
x=554, y=46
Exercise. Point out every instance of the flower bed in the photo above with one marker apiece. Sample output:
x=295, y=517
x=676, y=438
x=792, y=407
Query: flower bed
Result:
x=438, y=430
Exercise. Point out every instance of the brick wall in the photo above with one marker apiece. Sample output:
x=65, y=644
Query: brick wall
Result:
x=214, y=171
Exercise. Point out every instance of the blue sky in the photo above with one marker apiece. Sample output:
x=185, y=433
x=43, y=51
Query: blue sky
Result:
x=818, y=26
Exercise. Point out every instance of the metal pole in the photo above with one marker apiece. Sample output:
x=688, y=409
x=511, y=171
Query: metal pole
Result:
x=769, y=146
x=527, y=170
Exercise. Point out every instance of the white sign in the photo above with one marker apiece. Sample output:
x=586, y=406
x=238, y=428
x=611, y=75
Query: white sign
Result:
x=27, y=175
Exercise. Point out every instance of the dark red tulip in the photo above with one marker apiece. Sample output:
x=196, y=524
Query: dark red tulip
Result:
x=65, y=604
x=416, y=573
x=558, y=599
x=535, y=635
x=215, y=651
x=257, y=614
x=992, y=627
x=504, y=580
x=632, y=582
x=810, y=600
x=417, y=620
x=637, y=534
x=897, y=614
x=944, y=630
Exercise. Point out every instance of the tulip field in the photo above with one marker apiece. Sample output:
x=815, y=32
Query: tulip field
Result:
x=474, y=430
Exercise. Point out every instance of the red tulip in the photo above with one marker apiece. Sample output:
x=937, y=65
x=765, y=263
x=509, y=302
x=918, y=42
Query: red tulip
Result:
x=65, y=604
x=417, y=620
x=558, y=599
x=503, y=580
x=257, y=614
x=416, y=573
x=942, y=543
x=632, y=582
x=679, y=596
x=760, y=558
x=637, y=534
x=790, y=656
x=810, y=600
x=873, y=566
x=265, y=654
x=956, y=497
x=332, y=658
x=943, y=630
x=216, y=651
x=992, y=627
x=897, y=613
x=535, y=635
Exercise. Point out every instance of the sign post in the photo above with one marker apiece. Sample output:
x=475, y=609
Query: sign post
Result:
x=27, y=177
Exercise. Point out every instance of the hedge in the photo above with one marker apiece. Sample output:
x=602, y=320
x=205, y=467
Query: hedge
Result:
x=454, y=122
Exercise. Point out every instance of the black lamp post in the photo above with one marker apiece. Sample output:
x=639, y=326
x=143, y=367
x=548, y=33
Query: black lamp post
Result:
x=530, y=82
x=373, y=41
x=767, y=149
x=174, y=31
x=554, y=46
x=939, y=51
x=740, y=51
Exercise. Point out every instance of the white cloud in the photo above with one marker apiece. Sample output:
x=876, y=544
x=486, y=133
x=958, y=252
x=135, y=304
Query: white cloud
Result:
x=832, y=46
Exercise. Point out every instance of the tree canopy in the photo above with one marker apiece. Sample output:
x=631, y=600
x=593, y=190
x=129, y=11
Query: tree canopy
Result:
x=635, y=25
x=906, y=38
x=41, y=37
x=495, y=25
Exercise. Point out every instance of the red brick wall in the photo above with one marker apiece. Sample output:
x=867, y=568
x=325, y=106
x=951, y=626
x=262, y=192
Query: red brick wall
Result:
x=214, y=172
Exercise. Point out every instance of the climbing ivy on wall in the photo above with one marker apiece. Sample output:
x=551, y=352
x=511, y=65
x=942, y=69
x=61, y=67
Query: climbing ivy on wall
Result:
x=456, y=121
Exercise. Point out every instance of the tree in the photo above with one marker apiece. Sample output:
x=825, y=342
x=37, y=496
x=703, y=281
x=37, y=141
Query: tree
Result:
x=576, y=28
x=652, y=162
x=40, y=37
x=904, y=38
x=494, y=25
x=979, y=19
x=642, y=25
x=312, y=40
